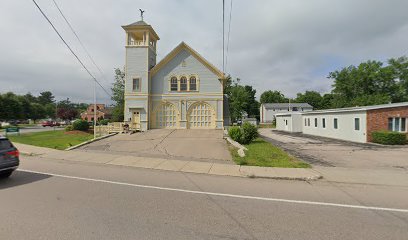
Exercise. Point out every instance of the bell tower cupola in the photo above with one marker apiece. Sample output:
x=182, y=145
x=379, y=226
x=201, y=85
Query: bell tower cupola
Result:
x=141, y=35
x=140, y=45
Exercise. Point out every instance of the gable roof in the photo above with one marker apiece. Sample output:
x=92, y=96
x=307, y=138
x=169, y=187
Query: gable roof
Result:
x=178, y=49
x=286, y=105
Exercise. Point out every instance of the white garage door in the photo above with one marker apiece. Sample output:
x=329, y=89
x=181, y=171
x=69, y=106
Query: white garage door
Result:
x=201, y=116
x=165, y=116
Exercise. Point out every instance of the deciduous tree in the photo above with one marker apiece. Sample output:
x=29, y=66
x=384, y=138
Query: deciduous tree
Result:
x=273, y=97
x=118, y=96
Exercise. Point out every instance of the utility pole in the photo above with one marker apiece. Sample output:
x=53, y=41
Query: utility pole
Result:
x=223, y=38
x=289, y=106
x=94, y=121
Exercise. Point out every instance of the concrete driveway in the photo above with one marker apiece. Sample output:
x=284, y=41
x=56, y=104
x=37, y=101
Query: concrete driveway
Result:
x=199, y=145
x=329, y=152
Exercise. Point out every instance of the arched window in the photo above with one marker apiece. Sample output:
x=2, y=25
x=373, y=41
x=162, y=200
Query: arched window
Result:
x=173, y=84
x=193, y=83
x=183, y=84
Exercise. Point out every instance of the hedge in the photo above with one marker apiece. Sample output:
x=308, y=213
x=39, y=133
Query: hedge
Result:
x=81, y=125
x=69, y=128
x=389, y=138
x=235, y=133
x=245, y=134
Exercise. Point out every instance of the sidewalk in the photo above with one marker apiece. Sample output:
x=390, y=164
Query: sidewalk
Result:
x=172, y=165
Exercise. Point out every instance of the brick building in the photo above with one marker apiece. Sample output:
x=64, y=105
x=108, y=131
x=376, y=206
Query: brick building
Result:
x=388, y=118
x=102, y=112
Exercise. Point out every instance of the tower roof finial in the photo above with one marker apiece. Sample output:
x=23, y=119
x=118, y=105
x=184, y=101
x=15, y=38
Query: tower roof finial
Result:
x=141, y=13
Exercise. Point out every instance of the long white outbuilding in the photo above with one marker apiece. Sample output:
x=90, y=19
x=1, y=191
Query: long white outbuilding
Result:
x=354, y=124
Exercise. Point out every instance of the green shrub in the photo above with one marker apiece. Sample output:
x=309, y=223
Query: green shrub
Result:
x=245, y=134
x=389, y=138
x=103, y=122
x=81, y=125
x=235, y=133
x=69, y=128
x=249, y=133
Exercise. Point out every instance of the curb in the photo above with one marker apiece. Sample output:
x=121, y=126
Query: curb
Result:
x=314, y=178
x=313, y=175
x=28, y=153
x=90, y=141
x=241, y=149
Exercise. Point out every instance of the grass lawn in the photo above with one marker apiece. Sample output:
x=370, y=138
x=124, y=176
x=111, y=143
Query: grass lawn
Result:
x=52, y=139
x=267, y=125
x=263, y=154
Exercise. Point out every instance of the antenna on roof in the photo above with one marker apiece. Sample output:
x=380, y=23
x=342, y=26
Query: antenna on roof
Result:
x=141, y=13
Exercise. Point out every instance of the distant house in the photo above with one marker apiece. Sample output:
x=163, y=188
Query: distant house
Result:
x=354, y=124
x=246, y=118
x=102, y=112
x=269, y=110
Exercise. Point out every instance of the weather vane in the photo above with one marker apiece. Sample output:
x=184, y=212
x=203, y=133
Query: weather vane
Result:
x=141, y=13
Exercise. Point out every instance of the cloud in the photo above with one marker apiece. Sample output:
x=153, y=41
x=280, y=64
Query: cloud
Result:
x=289, y=46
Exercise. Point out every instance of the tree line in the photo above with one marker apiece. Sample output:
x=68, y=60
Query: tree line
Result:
x=43, y=106
x=369, y=83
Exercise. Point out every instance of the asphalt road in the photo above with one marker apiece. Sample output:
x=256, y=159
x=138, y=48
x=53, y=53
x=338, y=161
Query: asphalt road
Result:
x=70, y=200
x=36, y=129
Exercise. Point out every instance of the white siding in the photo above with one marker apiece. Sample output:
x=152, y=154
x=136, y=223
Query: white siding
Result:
x=289, y=122
x=207, y=80
x=345, y=130
x=268, y=115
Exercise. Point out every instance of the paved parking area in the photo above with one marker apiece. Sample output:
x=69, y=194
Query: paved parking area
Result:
x=335, y=153
x=198, y=145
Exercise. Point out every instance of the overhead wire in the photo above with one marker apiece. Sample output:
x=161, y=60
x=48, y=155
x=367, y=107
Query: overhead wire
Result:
x=70, y=49
x=79, y=40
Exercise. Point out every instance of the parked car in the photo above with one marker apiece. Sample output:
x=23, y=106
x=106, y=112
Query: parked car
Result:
x=50, y=124
x=9, y=158
x=64, y=123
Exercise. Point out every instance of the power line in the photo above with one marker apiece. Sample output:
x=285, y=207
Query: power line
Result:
x=228, y=38
x=70, y=49
x=79, y=40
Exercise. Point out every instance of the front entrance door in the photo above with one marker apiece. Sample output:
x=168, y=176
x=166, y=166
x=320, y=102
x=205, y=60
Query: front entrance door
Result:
x=136, y=120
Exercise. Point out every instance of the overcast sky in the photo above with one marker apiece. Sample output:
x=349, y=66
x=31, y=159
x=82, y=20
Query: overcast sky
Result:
x=283, y=45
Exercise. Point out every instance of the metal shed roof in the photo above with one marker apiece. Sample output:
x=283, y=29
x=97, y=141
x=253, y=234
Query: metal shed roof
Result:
x=286, y=105
x=358, y=109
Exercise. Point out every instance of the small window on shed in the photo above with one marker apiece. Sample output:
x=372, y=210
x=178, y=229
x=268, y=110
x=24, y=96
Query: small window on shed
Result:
x=335, y=123
x=315, y=121
x=324, y=122
x=308, y=122
x=305, y=122
x=357, y=124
